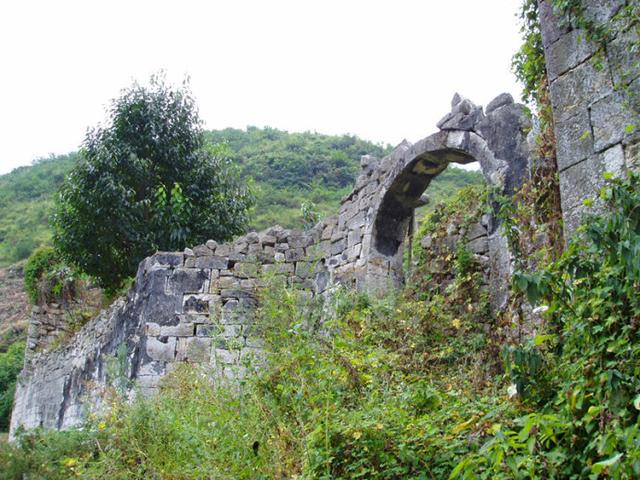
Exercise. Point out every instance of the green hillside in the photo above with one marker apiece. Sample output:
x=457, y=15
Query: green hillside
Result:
x=26, y=198
x=284, y=168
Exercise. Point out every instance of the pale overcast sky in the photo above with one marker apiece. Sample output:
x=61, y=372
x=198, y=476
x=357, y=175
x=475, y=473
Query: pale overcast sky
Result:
x=383, y=70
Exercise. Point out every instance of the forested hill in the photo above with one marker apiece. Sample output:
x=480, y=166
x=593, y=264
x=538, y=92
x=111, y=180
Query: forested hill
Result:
x=285, y=169
x=297, y=160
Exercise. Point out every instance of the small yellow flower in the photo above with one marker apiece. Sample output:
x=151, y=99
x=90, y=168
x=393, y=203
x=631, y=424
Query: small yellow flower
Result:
x=379, y=426
x=70, y=462
x=102, y=426
x=456, y=323
x=357, y=434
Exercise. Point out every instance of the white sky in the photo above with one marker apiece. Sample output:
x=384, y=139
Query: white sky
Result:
x=383, y=70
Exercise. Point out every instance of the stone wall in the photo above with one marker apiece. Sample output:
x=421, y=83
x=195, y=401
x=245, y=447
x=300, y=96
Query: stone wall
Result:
x=194, y=306
x=589, y=104
x=197, y=306
x=475, y=237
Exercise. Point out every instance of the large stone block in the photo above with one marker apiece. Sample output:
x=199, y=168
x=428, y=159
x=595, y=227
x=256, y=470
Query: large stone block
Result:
x=338, y=247
x=601, y=11
x=202, y=251
x=161, y=349
x=568, y=52
x=194, y=350
x=551, y=26
x=479, y=245
x=186, y=280
x=574, y=140
x=578, y=88
x=354, y=236
x=294, y=254
x=623, y=58
x=212, y=261
x=475, y=230
x=278, y=268
x=199, y=303
x=246, y=270
x=577, y=183
x=608, y=119
x=305, y=269
x=168, y=259
x=357, y=221
x=300, y=241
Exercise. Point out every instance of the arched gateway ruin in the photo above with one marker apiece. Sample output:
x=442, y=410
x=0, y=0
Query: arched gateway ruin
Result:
x=196, y=305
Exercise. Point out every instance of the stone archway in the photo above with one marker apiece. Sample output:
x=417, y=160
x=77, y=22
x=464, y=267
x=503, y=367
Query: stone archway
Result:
x=377, y=214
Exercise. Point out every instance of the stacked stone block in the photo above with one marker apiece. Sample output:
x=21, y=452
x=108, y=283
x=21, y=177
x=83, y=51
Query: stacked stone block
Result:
x=590, y=90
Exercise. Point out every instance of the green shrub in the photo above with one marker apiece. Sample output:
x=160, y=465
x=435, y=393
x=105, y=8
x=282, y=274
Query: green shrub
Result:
x=43, y=455
x=590, y=426
x=46, y=278
x=10, y=365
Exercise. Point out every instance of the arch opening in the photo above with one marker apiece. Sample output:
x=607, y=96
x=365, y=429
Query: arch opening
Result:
x=394, y=221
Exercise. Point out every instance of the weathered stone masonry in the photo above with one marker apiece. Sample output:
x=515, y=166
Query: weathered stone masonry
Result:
x=196, y=306
x=588, y=99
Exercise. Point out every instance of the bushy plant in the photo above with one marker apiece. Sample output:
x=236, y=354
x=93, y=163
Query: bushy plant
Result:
x=590, y=428
x=47, y=278
x=11, y=363
x=41, y=455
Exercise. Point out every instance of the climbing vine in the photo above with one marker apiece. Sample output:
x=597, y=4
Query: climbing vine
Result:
x=532, y=219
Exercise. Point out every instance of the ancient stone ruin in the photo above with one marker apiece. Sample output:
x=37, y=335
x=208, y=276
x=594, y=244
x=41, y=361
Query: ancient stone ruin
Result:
x=196, y=306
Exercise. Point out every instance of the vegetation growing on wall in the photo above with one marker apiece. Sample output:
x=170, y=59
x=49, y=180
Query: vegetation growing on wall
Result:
x=405, y=390
x=367, y=402
x=536, y=208
x=585, y=401
x=46, y=278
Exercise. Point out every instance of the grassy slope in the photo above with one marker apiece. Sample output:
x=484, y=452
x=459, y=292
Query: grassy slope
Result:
x=26, y=196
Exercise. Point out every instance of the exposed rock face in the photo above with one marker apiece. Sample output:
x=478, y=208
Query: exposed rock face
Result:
x=591, y=103
x=196, y=306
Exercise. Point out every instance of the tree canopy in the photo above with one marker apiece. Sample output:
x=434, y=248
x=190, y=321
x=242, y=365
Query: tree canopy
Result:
x=146, y=181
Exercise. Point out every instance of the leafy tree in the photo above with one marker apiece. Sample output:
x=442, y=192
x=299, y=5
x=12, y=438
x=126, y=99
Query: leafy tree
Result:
x=146, y=181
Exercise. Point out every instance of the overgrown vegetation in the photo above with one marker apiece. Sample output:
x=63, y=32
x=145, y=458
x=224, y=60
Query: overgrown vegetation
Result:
x=366, y=400
x=582, y=388
x=407, y=386
x=401, y=387
x=47, y=279
x=536, y=210
x=10, y=365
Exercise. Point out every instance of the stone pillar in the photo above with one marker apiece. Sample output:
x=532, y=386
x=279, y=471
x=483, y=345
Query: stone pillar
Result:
x=590, y=98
